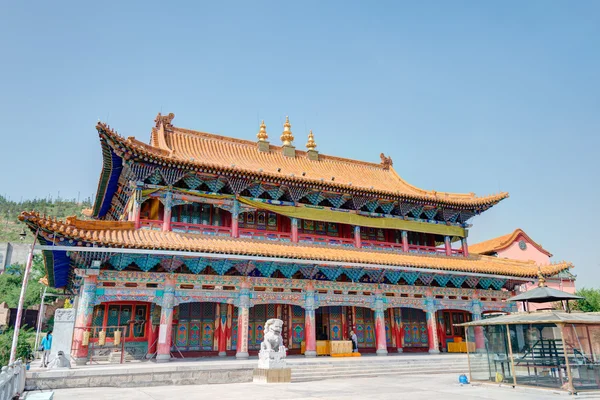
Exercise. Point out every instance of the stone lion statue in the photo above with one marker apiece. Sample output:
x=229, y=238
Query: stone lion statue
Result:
x=61, y=361
x=272, y=339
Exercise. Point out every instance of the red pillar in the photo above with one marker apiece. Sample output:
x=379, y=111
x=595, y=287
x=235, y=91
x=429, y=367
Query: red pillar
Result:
x=357, y=239
x=432, y=333
x=234, y=218
x=448, y=245
x=405, y=241
x=228, y=329
x=398, y=318
x=222, y=315
x=137, y=213
x=345, y=330
x=152, y=338
x=242, y=343
x=135, y=209
x=380, y=339
x=165, y=330
x=310, y=334
x=479, y=339
x=243, y=321
x=465, y=247
x=295, y=230
x=83, y=321
x=167, y=214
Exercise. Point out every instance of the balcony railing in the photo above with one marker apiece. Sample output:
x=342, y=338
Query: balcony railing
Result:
x=265, y=235
x=185, y=227
x=385, y=246
x=151, y=224
x=325, y=240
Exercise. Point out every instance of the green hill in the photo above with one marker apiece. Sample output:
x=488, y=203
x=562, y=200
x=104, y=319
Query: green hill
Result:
x=10, y=227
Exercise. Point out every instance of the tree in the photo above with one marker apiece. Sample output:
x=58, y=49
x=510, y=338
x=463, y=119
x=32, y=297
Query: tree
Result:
x=590, y=301
x=24, y=345
x=10, y=284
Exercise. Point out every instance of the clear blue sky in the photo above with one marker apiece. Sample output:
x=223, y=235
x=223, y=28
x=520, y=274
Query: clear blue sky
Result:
x=465, y=96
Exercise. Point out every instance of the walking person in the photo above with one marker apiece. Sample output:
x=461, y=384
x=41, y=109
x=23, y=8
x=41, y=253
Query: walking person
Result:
x=354, y=341
x=46, y=346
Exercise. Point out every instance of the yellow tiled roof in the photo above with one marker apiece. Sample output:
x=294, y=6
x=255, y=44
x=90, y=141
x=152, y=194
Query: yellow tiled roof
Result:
x=173, y=145
x=502, y=242
x=147, y=239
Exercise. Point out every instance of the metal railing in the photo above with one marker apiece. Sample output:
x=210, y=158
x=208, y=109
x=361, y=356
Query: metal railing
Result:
x=12, y=380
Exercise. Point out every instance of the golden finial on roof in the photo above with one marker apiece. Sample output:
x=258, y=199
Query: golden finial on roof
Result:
x=262, y=133
x=286, y=137
x=541, y=279
x=311, y=145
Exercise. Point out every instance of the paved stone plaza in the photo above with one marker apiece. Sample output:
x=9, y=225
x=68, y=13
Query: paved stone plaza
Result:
x=438, y=387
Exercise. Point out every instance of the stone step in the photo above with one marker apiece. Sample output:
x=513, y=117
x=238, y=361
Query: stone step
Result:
x=375, y=366
x=391, y=362
x=316, y=377
x=377, y=370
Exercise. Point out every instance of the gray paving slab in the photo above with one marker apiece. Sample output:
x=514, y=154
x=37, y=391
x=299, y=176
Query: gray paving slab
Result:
x=439, y=387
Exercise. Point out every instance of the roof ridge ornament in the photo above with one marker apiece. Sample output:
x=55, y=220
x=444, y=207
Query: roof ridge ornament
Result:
x=263, y=143
x=312, y=154
x=262, y=133
x=386, y=162
x=311, y=145
x=165, y=120
x=541, y=278
x=287, y=137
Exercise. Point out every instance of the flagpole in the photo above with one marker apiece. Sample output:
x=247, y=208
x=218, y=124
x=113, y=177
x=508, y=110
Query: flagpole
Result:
x=13, y=349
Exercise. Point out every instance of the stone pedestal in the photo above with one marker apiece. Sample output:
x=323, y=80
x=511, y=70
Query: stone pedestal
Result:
x=62, y=335
x=272, y=359
x=281, y=375
x=272, y=367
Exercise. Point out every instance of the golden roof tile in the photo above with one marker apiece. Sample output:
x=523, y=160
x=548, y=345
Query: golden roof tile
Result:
x=193, y=149
x=146, y=239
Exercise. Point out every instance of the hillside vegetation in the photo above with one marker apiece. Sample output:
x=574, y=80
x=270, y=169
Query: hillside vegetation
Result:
x=10, y=227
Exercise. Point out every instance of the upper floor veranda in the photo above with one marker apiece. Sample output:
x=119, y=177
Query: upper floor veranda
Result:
x=255, y=218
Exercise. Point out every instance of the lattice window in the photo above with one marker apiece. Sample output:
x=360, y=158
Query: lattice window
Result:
x=297, y=311
x=195, y=310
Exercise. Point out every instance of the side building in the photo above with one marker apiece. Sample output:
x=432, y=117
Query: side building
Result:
x=197, y=239
x=519, y=246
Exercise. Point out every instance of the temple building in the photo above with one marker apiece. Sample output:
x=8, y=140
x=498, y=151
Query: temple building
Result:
x=196, y=239
x=519, y=246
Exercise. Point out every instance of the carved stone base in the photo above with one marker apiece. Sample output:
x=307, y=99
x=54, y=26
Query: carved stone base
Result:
x=272, y=359
x=289, y=151
x=161, y=358
x=280, y=375
x=81, y=361
x=263, y=146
